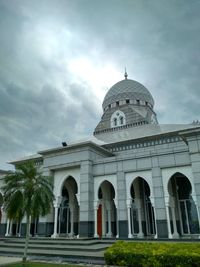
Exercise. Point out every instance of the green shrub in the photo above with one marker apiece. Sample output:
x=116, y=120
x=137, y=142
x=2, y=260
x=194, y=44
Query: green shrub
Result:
x=153, y=254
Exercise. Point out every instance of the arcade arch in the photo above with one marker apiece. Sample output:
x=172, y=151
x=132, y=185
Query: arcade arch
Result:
x=141, y=212
x=182, y=213
x=105, y=212
x=66, y=219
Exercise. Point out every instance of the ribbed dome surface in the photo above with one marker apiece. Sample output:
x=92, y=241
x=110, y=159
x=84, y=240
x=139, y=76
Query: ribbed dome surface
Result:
x=127, y=89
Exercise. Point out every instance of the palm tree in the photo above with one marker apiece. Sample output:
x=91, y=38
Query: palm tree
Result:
x=27, y=193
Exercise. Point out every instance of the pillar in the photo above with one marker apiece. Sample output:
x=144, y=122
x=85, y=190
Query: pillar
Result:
x=7, y=227
x=128, y=203
x=86, y=219
x=122, y=212
x=140, y=234
x=154, y=214
x=10, y=229
x=109, y=234
x=72, y=220
x=158, y=196
x=95, y=219
x=198, y=213
x=117, y=224
x=175, y=234
x=56, y=207
x=168, y=221
x=67, y=228
x=20, y=227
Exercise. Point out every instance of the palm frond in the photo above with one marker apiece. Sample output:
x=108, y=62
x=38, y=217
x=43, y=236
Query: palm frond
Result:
x=36, y=189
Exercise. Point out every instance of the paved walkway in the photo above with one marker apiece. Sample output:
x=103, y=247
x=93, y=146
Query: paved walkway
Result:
x=6, y=260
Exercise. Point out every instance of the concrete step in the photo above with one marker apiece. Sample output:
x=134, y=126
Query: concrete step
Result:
x=96, y=247
x=71, y=242
x=87, y=250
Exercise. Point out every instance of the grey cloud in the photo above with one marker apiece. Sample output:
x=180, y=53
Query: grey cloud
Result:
x=158, y=41
x=31, y=121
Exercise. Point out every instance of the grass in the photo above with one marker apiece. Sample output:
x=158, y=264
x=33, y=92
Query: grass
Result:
x=40, y=264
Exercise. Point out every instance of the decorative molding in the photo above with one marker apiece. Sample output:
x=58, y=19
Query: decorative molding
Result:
x=120, y=127
x=136, y=145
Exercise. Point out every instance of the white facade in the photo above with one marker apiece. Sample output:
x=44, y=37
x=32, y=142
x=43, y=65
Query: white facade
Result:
x=134, y=178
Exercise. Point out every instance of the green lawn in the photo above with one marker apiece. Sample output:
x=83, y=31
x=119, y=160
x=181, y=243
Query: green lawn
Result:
x=37, y=264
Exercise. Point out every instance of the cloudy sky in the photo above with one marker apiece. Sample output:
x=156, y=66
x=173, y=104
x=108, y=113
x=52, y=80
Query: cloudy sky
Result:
x=58, y=59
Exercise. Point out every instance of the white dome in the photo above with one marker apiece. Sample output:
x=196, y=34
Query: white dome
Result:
x=127, y=89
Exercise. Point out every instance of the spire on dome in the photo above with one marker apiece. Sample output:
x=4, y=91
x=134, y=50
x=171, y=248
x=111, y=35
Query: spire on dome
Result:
x=125, y=75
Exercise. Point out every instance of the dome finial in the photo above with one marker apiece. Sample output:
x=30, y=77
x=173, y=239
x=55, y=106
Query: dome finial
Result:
x=125, y=74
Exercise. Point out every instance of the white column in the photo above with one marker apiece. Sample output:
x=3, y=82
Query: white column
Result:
x=10, y=229
x=154, y=216
x=78, y=201
x=140, y=234
x=155, y=223
x=7, y=227
x=71, y=220
x=109, y=234
x=20, y=227
x=59, y=224
x=172, y=205
x=56, y=206
x=30, y=226
x=198, y=215
x=197, y=207
x=67, y=228
x=132, y=219
x=175, y=234
x=117, y=224
x=168, y=221
x=55, y=234
x=95, y=219
x=35, y=227
x=16, y=230
x=128, y=204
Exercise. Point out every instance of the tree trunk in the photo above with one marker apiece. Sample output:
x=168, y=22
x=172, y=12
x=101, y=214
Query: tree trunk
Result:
x=27, y=237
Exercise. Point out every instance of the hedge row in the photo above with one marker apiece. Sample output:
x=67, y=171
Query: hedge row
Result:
x=149, y=254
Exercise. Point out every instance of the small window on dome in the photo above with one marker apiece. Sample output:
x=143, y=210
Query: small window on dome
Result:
x=117, y=119
x=138, y=101
x=127, y=101
x=109, y=106
x=117, y=103
x=146, y=103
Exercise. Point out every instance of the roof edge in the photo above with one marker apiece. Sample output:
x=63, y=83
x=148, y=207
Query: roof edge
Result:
x=73, y=146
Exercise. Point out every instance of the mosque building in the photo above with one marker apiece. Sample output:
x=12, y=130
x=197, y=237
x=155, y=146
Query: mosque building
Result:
x=134, y=178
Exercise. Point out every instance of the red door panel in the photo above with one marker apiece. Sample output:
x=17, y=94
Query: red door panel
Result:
x=99, y=221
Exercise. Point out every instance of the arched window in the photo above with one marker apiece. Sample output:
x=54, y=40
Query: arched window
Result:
x=117, y=119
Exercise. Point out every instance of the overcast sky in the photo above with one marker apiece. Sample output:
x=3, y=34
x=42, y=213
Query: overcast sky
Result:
x=58, y=58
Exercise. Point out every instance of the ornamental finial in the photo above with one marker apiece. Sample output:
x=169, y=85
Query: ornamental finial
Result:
x=125, y=74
